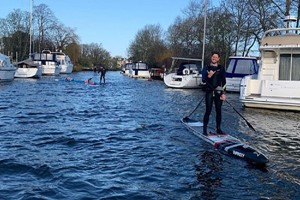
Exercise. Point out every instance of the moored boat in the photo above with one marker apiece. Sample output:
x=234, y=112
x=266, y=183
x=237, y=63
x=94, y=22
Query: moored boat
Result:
x=28, y=69
x=7, y=69
x=64, y=62
x=157, y=73
x=48, y=61
x=238, y=67
x=277, y=85
x=126, y=68
x=184, y=73
x=139, y=70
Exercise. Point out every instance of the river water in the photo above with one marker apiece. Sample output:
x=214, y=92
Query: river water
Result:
x=124, y=140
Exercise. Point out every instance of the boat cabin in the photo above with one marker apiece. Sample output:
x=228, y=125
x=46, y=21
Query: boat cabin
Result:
x=277, y=85
x=238, y=67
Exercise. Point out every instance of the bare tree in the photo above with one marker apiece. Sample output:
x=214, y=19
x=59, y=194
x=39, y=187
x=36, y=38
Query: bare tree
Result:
x=185, y=35
x=44, y=21
x=63, y=36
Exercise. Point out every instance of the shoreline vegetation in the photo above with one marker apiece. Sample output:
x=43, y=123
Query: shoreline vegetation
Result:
x=234, y=28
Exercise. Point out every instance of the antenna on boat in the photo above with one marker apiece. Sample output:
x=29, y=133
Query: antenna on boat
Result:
x=204, y=32
x=288, y=20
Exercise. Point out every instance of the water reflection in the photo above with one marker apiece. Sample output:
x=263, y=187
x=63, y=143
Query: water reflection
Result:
x=209, y=174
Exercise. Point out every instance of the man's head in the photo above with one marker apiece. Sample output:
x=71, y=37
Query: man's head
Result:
x=215, y=57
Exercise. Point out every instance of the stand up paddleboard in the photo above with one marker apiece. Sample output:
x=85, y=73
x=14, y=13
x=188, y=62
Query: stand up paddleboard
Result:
x=226, y=143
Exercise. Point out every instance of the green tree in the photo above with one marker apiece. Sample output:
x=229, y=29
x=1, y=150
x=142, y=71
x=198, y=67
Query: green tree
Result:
x=15, y=34
x=148, y=45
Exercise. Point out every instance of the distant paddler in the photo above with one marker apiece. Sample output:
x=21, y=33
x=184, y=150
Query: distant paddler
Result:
x=90, y=81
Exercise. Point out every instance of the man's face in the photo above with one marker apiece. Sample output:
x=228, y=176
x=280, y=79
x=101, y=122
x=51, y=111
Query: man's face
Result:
x=215, y=58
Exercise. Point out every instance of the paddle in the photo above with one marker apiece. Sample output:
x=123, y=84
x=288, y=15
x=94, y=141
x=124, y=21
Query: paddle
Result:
x=248, y=123
x=195, y=108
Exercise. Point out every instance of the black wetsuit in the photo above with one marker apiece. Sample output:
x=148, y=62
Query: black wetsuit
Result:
x=215, y=87
x=102, y=72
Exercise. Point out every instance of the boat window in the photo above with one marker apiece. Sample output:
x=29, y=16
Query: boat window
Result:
x=289, y=67
x=242, y=66
x=192, y=66
x=140, y=66
x=245, y=67
x=230, y=66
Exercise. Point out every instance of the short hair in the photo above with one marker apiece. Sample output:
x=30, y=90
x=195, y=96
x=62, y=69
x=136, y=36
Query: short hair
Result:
x=216, y=52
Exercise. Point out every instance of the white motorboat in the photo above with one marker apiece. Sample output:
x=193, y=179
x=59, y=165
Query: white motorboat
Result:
x=277, y=85
x=7, y=69
x=65, y=62
x=184, y=73
x=28, y=69
x=48, y=61
x=126, y=68
x=238, y=67
x=139, y=70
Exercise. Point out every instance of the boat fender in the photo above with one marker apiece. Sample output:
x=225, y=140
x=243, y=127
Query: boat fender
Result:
x=186, y=71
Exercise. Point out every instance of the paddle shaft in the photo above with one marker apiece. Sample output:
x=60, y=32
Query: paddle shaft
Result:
x=248, y=123
x=196, y=107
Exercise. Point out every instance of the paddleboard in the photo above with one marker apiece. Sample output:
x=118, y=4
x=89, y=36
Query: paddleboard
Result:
x=226, y=143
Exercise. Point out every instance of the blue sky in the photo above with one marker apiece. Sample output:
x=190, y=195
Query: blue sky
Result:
x=112, y=23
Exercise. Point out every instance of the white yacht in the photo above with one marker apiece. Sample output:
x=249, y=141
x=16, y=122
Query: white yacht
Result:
x=7, y=69
x=238, y=67
x=48, y=61
x=277, y=85
x=28, y=69
x=65, y=62
x=184, y=73
x=126, y=68
x=139, y=70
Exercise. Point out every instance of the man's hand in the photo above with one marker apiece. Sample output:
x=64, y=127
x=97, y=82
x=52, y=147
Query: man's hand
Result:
x=210, y=73
x=223, y=97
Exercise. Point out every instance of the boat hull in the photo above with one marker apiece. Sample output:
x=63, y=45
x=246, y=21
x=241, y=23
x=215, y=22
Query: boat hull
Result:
x=270, y=94
x=233, y=84
x=135, y=73
x=7, y=74
x=34, y=72
x=271, y=104
x=190, y=81
x=66, y=69
x=51, y=70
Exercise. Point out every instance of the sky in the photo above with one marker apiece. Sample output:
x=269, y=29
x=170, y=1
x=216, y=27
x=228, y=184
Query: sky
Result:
x=111, y=23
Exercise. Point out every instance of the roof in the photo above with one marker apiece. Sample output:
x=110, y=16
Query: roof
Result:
x=27, y=62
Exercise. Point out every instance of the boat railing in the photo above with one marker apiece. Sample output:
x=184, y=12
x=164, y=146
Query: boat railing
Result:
x=283, y=37
x=282, y=31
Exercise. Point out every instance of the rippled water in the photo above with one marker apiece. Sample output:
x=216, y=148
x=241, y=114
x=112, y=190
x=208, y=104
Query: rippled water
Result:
x=124, y=140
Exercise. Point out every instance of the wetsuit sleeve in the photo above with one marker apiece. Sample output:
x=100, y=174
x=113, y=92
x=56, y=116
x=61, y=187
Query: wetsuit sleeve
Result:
x=224, y=79
x=204, y=74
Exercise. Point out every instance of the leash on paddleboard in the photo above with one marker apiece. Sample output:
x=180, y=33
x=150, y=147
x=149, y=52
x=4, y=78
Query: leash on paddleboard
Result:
x=248, y=123
x=196, y=107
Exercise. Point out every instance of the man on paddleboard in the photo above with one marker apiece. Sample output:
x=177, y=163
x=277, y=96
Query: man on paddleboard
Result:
x=214, y=77
x=102, y=72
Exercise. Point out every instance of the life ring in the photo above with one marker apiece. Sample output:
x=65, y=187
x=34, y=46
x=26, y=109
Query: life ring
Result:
x=186, y=71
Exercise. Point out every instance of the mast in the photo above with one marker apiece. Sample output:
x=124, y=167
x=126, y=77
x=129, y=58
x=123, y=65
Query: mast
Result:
x=30, y=30
x=204, y=32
